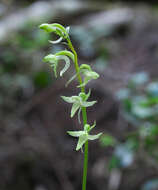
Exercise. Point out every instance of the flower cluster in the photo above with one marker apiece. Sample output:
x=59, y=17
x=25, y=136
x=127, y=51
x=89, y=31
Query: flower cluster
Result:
x=84, y=72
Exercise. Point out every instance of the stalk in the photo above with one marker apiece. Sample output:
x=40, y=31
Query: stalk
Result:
x=79, y=102
x=84, y=117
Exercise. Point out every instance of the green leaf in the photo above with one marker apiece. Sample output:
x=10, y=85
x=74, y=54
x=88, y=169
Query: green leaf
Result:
x=94, y=137
x=82, y=139
x=75, y=133
x=74, y=109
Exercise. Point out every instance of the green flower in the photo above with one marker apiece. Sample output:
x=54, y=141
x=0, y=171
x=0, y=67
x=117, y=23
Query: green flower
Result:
x=87, y=73
x=83, y=136
x=78, y=102
x=54, y=59
x=58, y=29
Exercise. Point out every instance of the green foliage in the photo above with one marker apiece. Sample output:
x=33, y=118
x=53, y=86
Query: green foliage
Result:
x=42, y=79
x=140, y=108
x=79, y=103
x=19, y=69
x=107, y=140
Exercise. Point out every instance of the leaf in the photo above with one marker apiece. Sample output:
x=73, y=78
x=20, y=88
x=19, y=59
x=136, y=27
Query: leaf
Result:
x=82, y=139
x=75, y=133
x=94, y=137
x=74, y=109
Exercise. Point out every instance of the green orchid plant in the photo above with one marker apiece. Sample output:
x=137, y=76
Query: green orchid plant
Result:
x=84, y=74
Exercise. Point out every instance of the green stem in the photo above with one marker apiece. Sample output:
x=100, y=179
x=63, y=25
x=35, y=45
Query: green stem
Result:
x=85, y=166
x=84, y=116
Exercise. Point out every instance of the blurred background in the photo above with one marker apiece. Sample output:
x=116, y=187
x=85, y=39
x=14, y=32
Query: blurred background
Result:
x=119, y=39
